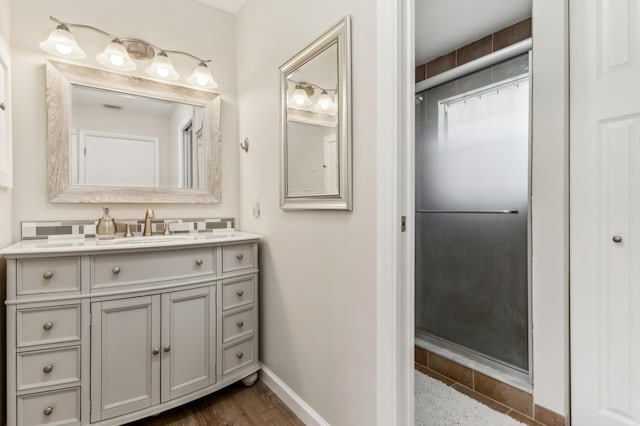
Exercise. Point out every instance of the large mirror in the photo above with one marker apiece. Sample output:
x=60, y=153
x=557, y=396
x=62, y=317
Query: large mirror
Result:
x=116, y=138
x=315, y=127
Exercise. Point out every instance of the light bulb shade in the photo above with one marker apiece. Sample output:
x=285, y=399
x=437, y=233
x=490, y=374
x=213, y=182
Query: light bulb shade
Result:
x=201, y=76
x=325, y=103
x=116, y=57
x=161, y=67
x=300, y=97
x=62, y=43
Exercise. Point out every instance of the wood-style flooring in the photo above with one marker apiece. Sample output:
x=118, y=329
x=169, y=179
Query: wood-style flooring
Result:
x=236, y=405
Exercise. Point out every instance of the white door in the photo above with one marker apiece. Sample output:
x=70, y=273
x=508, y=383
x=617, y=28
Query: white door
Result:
x=125, y=356
x=605, y=212
x=119, y=160
x=188, y=341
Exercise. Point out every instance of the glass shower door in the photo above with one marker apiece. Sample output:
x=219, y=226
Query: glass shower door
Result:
x=472, y=193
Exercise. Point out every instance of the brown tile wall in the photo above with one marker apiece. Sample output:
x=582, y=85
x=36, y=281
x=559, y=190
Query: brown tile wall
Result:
x=491, y=392
x=496, y=41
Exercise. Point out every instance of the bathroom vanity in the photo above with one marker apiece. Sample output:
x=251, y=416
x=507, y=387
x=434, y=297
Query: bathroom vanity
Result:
x=106, y=332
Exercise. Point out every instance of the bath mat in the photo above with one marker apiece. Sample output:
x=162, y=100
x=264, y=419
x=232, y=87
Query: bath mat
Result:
x=439, y=405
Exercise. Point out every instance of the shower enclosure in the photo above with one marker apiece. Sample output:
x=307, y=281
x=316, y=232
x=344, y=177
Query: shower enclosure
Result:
x=472, y=215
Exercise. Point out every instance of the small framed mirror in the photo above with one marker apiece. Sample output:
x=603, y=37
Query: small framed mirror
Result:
x=118, y=138
x=315, y=124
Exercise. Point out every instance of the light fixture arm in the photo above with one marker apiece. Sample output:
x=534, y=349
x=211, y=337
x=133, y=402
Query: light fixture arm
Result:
x=127, y=40
x=303, y=84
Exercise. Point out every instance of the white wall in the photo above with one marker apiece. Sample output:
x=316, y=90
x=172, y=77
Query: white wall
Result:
x=6, y=205
x=550, y=205
x=318, y=274
x=184, y=25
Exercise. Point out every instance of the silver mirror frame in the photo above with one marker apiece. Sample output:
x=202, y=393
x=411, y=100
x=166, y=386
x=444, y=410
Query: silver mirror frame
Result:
x=60, y=77
x=340, y=34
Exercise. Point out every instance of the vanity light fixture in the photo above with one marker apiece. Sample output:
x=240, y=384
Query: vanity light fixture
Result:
x=62, y=43
x=303, y=93
x=325, y=103
x=120, y=52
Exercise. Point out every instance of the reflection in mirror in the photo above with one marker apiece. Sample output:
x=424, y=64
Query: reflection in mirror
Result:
x=125, y=140
x=118, y=138
x=316, y=124
x=312, y=126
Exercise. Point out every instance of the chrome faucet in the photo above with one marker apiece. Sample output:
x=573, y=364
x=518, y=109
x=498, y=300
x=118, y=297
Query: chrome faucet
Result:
x=147, y=222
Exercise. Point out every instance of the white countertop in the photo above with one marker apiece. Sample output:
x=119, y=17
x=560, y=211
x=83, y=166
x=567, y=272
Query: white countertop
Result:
x=82, y=245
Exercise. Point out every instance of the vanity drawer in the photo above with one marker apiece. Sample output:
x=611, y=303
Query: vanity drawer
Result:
x=238, y=292
x=237, y=324
x=40, y=326
x=140, y=268
x=50, y=408
x=51, y=275
x=47, y=368
x=237, y=256
x=238, y=355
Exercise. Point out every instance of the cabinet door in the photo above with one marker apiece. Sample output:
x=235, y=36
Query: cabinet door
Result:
x=188, y=341
x=125, y=356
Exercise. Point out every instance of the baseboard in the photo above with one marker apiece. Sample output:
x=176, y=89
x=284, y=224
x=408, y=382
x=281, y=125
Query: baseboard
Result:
x=291, y=399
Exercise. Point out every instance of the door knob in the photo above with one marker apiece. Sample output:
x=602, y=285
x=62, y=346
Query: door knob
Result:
x=616, y=239
x=155, y=351
x=167, y=348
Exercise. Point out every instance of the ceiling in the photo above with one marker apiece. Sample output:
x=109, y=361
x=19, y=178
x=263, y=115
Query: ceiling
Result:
x=445, y=25
x=232, y=6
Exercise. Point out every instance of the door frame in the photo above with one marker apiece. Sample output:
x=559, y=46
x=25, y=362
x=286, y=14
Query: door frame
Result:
x=394, y=260
x=394, y=266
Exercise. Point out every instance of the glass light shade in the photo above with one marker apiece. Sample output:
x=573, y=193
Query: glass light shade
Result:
x=115, y=57
x=300, y=97
x=325, y=103
x=62, y=43
x=202, y=77
x=162, y=67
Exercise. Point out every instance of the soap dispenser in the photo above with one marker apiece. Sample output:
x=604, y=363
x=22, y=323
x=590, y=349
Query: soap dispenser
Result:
x=106, y=227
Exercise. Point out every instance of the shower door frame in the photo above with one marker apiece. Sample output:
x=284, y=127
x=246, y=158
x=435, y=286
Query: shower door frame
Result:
x=507, y=53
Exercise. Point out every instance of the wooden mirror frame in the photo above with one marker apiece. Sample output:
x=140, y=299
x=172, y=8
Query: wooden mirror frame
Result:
x=60, y=77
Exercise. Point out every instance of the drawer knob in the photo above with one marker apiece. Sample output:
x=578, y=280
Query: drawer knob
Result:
x=240, y=324
x=239, y=355
x=239, y=293
x=198, y=262
x=155, y=351
x=616, y=239
x=47, y=326
x=116, y=270
x=47, y=275
x=47, y=411
x=48, y=368
x=239, y=256
x=167, y=348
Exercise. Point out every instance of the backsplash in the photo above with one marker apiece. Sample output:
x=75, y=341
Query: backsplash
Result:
x=87, y=228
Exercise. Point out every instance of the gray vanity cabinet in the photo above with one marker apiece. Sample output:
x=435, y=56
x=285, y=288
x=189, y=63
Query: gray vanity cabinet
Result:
x=107, y=336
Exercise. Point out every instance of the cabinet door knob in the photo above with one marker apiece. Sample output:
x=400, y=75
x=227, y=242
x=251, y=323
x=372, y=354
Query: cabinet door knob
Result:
x=47, y=275
x=155, y=351
x=616, y=239
x=198, y=262
x=240, y=324
x=47, y=326
x=167, y=348
x=239, y=355
x=48, y=368
x=239, y=256
x=239, y=293
x=116, y=270
x=47, y=411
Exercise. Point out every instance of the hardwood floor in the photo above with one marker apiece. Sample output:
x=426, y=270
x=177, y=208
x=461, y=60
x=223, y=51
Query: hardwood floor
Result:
x=235, y=405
